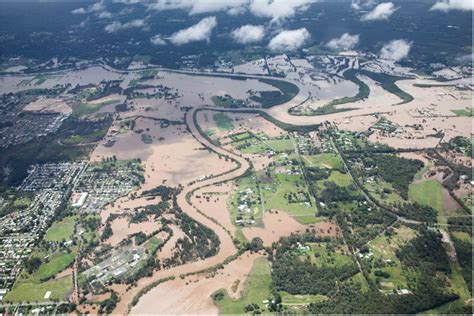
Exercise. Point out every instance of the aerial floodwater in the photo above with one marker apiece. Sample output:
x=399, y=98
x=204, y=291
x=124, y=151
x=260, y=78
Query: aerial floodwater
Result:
x=236, y=157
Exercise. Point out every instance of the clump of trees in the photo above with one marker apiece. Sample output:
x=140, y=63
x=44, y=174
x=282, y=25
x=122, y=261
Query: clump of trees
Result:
x=398, y=171
x=297, y=275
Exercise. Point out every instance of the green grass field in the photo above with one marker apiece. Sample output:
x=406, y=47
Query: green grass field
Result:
x=376, y=190
x=32, y=292
x=275, y=197
x=56, y=264
x=260, y=144
x=30, y=287
x=89, y=108
x=62, y=230
x=322, y=257
x=325, y=160
x=341, y=179
x=257, y=289
x=224, y=123
x=152, y=244
x=87, y=138
x=429, y=193
x=360, y=280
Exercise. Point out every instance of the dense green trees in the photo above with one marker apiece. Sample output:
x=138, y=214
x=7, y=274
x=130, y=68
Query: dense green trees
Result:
x=425, y=252
x=464, y=254
x=297, y=275
x=423, y=257
x=33, y=264
x=396, y=170
x=418, y=212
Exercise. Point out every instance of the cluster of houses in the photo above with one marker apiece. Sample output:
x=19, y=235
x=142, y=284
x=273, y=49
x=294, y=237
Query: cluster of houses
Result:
x=120, y=264
x=245, y=201
x=98, y=187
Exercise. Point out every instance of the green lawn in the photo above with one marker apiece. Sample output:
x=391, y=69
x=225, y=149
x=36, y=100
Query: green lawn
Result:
x=280, y=145
x=326, y=160
x=257, y=289
x=322, y=257
x=87, y=138
x=429, y=192
x=275, y=196
x=152, y=244
x=262, y=144
x=89, y=108
x=376, y=190
x=56, y=263
x=32, y=291
x=224, y=123
x=341, y=179
x=29, y=287
x=62, y=230
x=360, y=280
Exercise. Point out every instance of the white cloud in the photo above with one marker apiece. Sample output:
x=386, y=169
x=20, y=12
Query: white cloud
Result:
x=98, y=6
x=79, y=11
x=127, y=1
x=289, y=40
x=157, y=40
x=278, y=10
x=396, y=50
x=346, y=41
x=448, y=5
x=104, y=15
x=117, y=26
x=381, y=12
x=198, y=6
x=237, y=10
x=248, y=34
x=360, y=4
x=200, y=31
x=205, y=6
